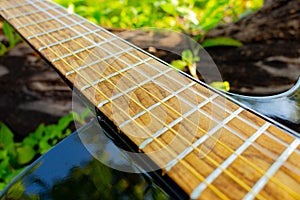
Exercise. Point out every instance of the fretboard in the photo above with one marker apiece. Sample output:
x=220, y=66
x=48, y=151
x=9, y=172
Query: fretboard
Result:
x=209, y=146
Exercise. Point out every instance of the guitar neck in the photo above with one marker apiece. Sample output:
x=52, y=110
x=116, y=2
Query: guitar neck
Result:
x=209, y=146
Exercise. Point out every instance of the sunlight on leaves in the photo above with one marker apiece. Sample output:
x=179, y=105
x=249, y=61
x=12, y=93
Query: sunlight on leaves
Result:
x=221, y=41
x=224, y=86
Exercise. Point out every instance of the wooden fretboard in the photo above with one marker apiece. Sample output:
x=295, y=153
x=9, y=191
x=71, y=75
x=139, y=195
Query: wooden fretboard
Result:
x=209, y=146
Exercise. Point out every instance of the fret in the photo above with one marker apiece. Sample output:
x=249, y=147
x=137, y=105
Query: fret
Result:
x=101, y=104
x=173, y=94
x=201, y=140
x=53, y=30
x=79, y=51
x=114, y=74
x=280, y=135
x=272, y=170
x=74, y=21
x=199, y=189
x=173, y=123
x=41, y=21
x=15, y=6
x=173, y=79
x=243, y=138
x=31, y=12
x=67, y=40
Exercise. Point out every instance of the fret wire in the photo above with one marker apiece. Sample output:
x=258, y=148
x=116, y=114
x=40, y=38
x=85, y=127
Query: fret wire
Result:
x=15, y=6
x=261, y=171
x=78, y=51
x=194, y=146
x=217, y=172
x=133, y=88
x=96, y=62
x=267, y=133
x=115, y=73
x=30, y=13
x=171, y=77
x=251, y=124
x=257, y=146
x=272, y=170
x=18, y=5
x=173, y=123
x=157, y=104
x=68, y=39
x=41, y=21
x=238, y=117
x=203, y=138
x=215, y=190
x=53, y=30
x=83, y=49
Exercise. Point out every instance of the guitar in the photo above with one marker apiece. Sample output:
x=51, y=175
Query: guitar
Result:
x=206, y=145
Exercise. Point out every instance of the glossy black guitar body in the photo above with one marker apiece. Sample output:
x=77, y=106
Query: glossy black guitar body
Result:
x=69, y=171
x=283, y=108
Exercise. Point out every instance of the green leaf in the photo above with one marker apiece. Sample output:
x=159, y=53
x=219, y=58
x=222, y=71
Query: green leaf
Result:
x=10, y=34
x=3, y=49
x=7, y=139
x=224, y=86
x=179, y=64
x=25, y=154
x=221, y=41
x=169, y=8
x=187, y=56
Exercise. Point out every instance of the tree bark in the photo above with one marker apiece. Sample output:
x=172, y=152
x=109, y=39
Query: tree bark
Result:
x=268, y=62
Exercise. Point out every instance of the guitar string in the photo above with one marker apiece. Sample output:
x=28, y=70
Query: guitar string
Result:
x=76, y=41
x=187, y=165
x=211, y=160
x=243, y=158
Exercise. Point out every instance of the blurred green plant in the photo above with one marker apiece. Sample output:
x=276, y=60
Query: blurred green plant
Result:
x=15, y=156
x=189, y=60
x=12, y=36
x=184, y=15
x=224, y=86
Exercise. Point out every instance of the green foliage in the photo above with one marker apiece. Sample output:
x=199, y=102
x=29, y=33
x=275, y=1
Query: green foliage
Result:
x=221, y=41
x=224, y=86
x=186, y=15
x=14, y=156
x=188, y=59
x=12, y=36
